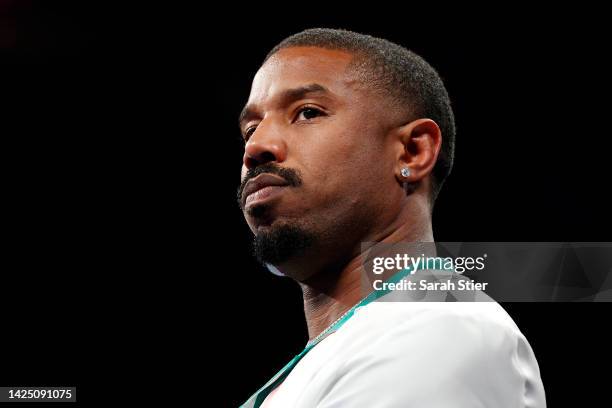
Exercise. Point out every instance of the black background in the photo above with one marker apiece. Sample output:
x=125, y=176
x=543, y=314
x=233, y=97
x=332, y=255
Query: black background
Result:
x=126, y=257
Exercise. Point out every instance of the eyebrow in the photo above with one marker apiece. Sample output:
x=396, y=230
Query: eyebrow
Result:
x=287, y=96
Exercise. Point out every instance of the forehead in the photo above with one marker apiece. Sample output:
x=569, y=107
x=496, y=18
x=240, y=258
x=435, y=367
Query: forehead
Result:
x=297, y=66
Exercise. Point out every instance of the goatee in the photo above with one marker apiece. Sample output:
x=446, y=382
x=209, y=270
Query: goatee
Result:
x=281, y=243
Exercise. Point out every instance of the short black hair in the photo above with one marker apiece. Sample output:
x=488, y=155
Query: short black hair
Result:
x=400, y=73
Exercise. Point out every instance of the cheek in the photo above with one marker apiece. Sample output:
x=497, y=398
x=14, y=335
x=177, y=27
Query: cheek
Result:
x=338, y=142
x=343, y=162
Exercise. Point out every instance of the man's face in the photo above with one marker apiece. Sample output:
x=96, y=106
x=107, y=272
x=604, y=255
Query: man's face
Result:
x=310, y=123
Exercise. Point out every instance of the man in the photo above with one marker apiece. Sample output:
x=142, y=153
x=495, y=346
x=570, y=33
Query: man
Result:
x=348, y=139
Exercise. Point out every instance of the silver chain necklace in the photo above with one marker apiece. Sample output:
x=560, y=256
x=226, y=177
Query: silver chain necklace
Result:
x=328, y=328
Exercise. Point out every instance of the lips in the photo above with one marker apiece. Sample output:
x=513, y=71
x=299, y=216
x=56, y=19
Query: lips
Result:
x=262, y=187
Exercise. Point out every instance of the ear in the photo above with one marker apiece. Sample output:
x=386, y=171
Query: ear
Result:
x=418, y=146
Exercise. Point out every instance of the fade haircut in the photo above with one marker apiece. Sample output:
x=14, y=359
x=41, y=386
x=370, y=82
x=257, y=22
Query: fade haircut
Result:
x=399, y=73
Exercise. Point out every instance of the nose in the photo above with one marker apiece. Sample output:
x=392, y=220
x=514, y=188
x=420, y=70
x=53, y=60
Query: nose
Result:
x=264, y=146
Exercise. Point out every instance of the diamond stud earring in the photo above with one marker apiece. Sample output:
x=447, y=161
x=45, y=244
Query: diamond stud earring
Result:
x=405, y=172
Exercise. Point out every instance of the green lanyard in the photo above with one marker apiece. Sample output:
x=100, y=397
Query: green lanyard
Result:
x=258, y=398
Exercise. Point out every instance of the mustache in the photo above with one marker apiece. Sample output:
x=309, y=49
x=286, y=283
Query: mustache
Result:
x=291, y=176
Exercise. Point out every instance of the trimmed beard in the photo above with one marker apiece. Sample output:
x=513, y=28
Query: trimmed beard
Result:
x=281, y=244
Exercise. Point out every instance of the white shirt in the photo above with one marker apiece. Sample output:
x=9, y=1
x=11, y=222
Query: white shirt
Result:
x=417, y=354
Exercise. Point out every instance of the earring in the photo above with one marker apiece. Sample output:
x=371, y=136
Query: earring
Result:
x=405, y=172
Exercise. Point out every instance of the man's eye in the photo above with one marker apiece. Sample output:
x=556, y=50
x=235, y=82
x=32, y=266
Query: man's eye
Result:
x=249, y=132
x=308, y=113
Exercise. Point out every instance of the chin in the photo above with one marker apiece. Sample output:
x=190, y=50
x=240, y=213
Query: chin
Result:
x=262, y=219
x=282, y=244
x=262, y=226
x=297, y=269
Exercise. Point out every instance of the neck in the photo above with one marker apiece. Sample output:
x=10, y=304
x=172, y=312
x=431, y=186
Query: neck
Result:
x=329, y=295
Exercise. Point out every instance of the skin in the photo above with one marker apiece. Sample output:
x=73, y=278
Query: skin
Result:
x=349, y=157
